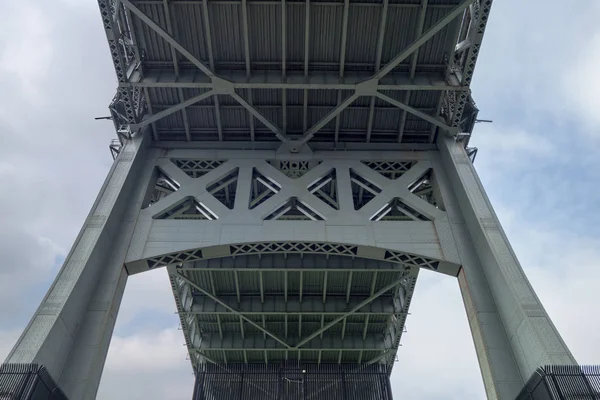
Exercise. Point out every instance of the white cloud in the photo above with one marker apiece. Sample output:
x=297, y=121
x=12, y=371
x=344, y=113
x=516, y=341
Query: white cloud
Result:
x=147, y=351
x=147, y=365
x=148, y=291
x=28, y=53
x=510, y=142
x=581, y=84
x=7, y=340
x=437, y=358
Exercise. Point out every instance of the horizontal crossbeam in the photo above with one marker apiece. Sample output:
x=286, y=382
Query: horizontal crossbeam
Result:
x=233, y=310
x=233, y=342
x=360, y=305
x=200, y=266
x=193, y=79
x=310, y=305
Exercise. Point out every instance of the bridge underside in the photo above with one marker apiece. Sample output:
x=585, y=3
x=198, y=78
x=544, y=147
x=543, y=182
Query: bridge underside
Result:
x=335, y=72
x=293, y=164
x=276, y=308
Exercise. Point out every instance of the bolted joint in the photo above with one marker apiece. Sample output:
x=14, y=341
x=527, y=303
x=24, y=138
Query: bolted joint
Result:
x=367, y=88
x=222, y=86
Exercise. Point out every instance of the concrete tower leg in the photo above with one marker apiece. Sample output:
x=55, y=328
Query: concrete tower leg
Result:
x=512, y=332
x=70, y=332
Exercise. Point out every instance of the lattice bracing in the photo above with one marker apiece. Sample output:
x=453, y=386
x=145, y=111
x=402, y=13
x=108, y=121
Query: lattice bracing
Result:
x=294, y=168
x=408, y=259
x=390, y=169
x=196, y=168
x=294, y=247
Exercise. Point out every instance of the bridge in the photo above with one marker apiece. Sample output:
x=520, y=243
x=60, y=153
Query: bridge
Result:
x=293, y=165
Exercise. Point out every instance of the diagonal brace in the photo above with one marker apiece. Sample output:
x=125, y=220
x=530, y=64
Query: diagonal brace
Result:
x=280, y=135
x=414, y=111
x=159, y=115
x=325, y=120
x=422, y=39
x=170, y=39
x=233, y=310
x=352, y=311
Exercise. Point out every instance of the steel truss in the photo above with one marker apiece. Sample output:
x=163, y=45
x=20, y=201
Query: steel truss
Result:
x=345, y=280
x=137, y=80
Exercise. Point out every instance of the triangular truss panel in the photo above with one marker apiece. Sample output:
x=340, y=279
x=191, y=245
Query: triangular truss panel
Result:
x=325, y=188
x=161, y=186
x=397, y=210
x=195, y=168
x=363, y=190
x=224, y=189
x=423, y=188
x=390, y=169
x=262, y=189
x=188, y=208
x=294, y=168
x=294, y=210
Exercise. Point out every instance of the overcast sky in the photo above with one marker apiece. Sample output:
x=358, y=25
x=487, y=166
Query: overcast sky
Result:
x=537, y=79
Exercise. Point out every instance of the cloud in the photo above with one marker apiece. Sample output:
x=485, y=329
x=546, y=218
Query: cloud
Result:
x=508, y=143
x=147, y=365
x=29, y=51
x=166, y=351
x=148, y=303
x=581, y=84
x=437, y=358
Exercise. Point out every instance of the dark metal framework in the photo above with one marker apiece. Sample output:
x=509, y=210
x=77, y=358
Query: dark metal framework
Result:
x=342, y=71
x=27, y=382
x=563, y=383
x=292, y=382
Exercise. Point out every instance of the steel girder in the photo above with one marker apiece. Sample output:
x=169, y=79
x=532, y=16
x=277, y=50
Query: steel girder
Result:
x=370, y=87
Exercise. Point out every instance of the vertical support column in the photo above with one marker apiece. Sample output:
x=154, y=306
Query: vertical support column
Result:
x=70, y=332
x=512, y=332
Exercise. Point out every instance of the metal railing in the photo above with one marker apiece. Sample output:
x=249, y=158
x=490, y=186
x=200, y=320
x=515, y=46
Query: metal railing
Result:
x=569, y=382
x=28, y=382
x=292, y=382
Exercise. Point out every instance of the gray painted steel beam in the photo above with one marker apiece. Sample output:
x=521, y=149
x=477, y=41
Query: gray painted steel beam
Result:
x=458, y=10
x=414, y=111
x=274, y=145
x=272, y=305
x=190, y=79
x=325, y=120
x=378, y=52
x=233, y=342
x=159, y=115
x=413, y=69
x=280, y=135
x=352, y=311
x=170, y=39
x=233, y=310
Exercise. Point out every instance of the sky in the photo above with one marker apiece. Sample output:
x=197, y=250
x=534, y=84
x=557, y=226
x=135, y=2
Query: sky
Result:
x=536, y=78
